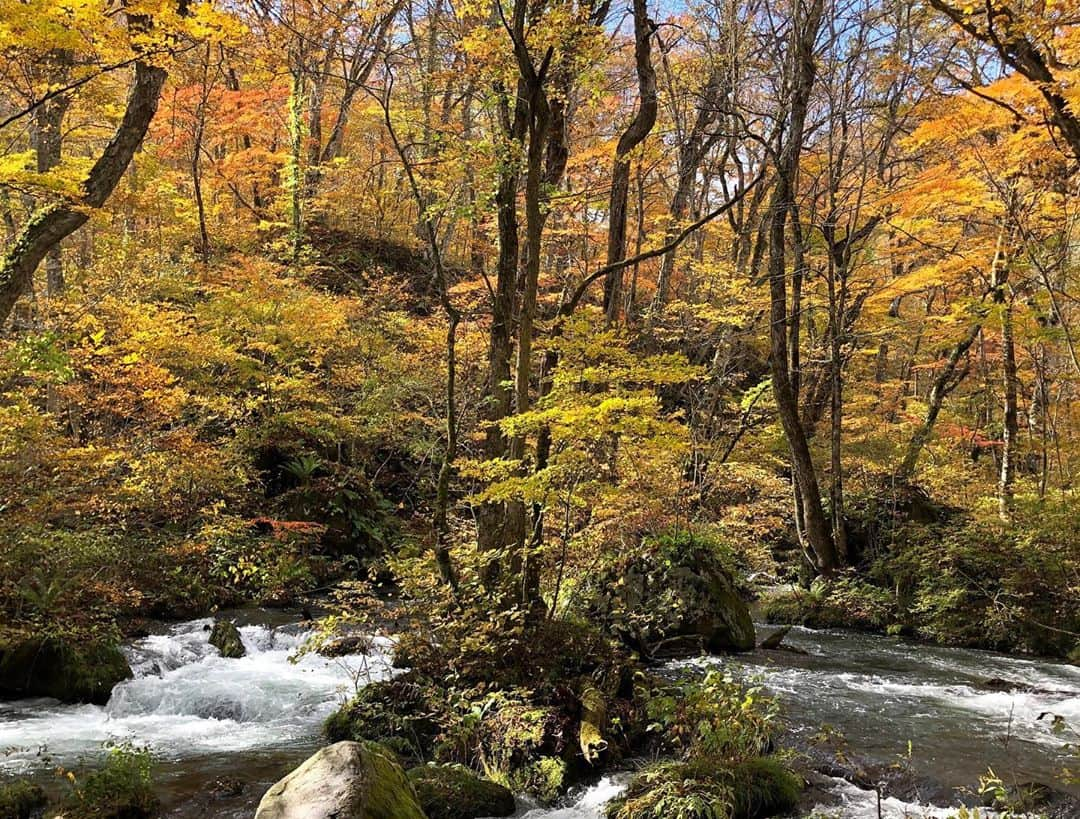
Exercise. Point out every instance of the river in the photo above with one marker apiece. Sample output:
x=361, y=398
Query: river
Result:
x=247, y=721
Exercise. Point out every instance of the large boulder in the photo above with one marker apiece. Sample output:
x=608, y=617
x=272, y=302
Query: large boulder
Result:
x=62, y=669
x=455, y=792
x=225, y=637
x=347, y=780
x=673, y=596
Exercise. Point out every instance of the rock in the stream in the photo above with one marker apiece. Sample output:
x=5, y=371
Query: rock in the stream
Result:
x=347, y=780
x=673, y=597
x=225, y=637
x=455, y=792
x=63, y=670
x=774, y=639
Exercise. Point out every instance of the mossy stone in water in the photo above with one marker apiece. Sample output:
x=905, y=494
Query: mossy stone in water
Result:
x=21, y=800
x=225, y=637
x=455, y=792
x=706, y=787
x=764, y=787
x=62, y=669
x=672, y=596
x=347, y=780
x=544, y=778
x=400, y=713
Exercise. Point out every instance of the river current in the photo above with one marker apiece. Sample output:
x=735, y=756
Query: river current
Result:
x=223, y=730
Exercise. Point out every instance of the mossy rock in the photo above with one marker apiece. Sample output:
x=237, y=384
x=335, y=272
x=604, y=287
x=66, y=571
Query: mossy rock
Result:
x=400, y=713
x=706, y=787
x=455, y=792
x=225, y=637
x=1074, y=655
x=347, y=780
x=764, y=787
x=674, y=595
x=546, y=779
x=21, y=800
x=62, y=669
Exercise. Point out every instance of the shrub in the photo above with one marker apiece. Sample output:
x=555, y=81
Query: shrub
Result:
x=716, y=717
x=21, y=800
x=122, y=789
x=709, y=788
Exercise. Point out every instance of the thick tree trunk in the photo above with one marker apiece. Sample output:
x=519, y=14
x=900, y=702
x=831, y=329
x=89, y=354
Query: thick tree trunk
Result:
x=48, y=141
x=52, y=223
x=818, y=532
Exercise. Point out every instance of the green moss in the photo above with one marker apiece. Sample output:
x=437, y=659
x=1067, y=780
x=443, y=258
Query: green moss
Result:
x=225, y=637
x=360, y=780
x=402, y=713
x=61, y=669
x=674, y=594
x=388, y=794
x=844, y=603
x=709, y=788
x=546, y=778
x=764, y=787
x=455, y=792
x=21, y=800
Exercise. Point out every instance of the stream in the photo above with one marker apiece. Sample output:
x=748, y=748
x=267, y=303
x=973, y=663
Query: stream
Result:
x=224, y=730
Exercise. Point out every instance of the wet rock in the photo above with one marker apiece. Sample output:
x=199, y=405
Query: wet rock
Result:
x=225, y=637
x=226, y=787
x=346, y=644
x=1006, y=686
x=348, y=780
x=455, y=792
x=64, y=670
x=773, y=640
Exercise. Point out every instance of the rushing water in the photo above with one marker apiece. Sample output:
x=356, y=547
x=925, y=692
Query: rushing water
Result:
x=948, y=713
x=203, y=716
x=251, y=720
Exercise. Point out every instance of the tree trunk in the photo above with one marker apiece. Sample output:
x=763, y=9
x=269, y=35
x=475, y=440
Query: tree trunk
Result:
x=48, y=141
x=1010, y=435
x=52, y=223
x=947, y=380
x=818, y=532
x=633, y=136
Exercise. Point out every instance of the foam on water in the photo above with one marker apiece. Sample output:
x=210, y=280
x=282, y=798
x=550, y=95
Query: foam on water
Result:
x=589, y=804
x=857, y=803
x=187, y=701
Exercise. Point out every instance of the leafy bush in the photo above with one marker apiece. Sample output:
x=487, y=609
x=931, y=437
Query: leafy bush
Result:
x=987, y=585
x=709, y=788
x=21, y=800
x=122, y=789
x=845, y=602
x=716, y=717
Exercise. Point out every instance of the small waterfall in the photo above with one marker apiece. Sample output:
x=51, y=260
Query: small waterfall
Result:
x=186, y=701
